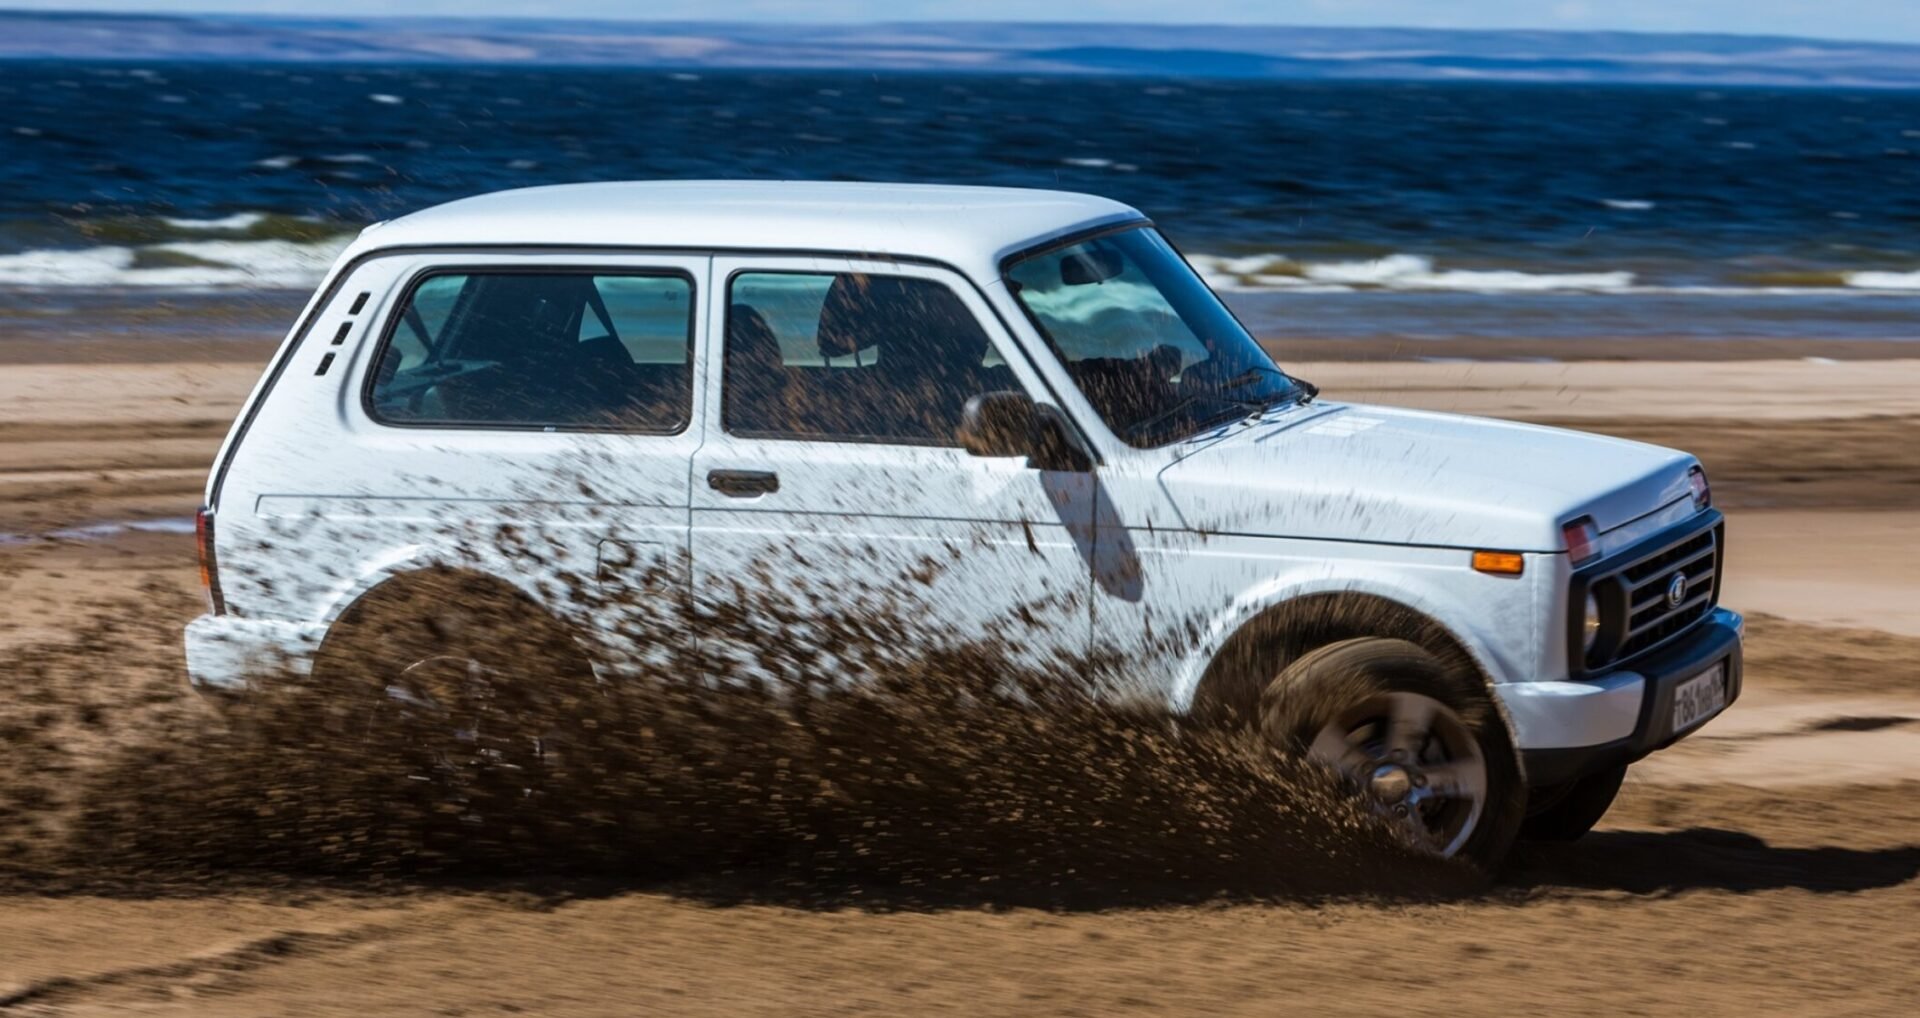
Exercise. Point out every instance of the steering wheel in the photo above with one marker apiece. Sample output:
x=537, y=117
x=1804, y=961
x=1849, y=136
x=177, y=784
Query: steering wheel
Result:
x=1164, y=360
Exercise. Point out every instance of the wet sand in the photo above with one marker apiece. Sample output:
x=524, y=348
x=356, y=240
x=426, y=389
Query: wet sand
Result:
x=83, y=443
x=1769, y=864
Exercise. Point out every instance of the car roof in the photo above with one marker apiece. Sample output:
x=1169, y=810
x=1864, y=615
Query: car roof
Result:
x=971, y=227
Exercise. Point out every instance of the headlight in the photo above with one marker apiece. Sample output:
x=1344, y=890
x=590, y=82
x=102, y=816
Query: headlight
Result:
x=1583, y=539
x=1702, y=491
x=1590, y=626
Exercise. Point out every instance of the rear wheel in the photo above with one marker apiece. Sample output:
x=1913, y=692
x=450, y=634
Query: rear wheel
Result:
x=1567, y=811
x=1421, y=747
x=475, y=692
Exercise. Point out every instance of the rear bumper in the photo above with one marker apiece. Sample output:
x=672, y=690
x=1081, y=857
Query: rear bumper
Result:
x=231, y=655
x=1567, y=730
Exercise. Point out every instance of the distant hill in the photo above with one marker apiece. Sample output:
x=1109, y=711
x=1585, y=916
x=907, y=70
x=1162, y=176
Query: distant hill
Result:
x=1237, y=51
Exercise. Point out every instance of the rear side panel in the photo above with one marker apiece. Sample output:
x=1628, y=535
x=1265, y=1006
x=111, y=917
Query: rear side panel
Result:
x=322, y=300
x=320, y=502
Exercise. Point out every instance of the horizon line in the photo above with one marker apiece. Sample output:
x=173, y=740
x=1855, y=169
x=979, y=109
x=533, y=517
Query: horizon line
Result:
x=317, y=16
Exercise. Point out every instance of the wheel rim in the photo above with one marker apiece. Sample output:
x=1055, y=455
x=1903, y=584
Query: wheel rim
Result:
x=467, y=699
x=1415, y=762
x=448, y=689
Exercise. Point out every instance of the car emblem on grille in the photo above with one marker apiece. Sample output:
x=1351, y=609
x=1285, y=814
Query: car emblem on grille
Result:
x=1677, y=590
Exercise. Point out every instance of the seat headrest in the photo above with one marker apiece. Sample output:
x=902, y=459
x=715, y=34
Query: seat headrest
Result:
x=893, y=311
x=524, y=316
x=749, y=337
x=848, y=318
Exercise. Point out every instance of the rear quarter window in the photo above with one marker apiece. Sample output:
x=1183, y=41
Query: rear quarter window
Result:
x=549, y=349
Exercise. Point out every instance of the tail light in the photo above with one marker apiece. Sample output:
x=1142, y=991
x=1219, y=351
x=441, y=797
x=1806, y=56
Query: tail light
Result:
x=209, y=567
x=1583, y=539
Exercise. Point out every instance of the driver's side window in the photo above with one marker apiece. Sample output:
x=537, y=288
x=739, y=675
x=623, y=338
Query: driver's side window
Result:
x=852, y=357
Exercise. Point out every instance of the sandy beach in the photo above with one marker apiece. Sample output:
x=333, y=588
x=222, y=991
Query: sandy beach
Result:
x=1771, y=863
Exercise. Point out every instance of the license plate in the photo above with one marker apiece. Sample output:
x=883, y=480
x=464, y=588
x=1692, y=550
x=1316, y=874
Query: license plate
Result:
x=1699, y=698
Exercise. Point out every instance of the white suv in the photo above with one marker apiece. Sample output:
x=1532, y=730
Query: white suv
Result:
x=1023, y=404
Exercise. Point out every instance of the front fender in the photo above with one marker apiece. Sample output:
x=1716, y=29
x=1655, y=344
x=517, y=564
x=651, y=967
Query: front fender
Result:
x=1491, y=618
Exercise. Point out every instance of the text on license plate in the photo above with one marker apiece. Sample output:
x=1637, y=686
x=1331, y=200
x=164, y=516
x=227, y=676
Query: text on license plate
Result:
x=1699, y=698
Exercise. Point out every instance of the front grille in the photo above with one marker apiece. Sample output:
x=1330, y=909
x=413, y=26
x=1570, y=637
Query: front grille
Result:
x=1638, y=608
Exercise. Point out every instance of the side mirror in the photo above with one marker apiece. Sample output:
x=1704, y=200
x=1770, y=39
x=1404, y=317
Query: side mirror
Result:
x=998, y=424
x=1011, y=424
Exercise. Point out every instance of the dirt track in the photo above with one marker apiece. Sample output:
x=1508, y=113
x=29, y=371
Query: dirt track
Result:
x=1769, y=865
x=1740, y=899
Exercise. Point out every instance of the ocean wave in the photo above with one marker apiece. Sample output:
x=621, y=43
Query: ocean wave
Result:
x=1395, y=272
x=1884, y=280
x=239, y=222
x=136, y=230
x=252, y=250
x=1275, y=273
x=205, y=264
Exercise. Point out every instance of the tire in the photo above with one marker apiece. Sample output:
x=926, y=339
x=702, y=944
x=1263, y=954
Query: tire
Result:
x=475, y=691
x=1566, y=812
x=1424, y=747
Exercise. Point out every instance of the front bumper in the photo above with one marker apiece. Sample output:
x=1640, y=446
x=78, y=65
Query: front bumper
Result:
x=226, y=654
x=1567, y=730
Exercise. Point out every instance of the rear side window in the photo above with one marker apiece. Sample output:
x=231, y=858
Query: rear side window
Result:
x=545, y=349
x=852, y=357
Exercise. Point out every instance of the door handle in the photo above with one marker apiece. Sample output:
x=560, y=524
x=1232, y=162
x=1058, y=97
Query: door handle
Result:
x=743, y=483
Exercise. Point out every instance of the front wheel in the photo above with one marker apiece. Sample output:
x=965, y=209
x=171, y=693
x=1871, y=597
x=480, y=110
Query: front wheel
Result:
x=1422, y=747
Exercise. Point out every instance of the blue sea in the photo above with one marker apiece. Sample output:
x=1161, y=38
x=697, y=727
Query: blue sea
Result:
x=1322, y=209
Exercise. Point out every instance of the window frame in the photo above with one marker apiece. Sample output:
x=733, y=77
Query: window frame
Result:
x=394, y=319
x=725, y=290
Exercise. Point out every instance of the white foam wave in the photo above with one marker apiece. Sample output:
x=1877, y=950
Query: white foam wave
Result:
x=1884, y=280
x=92, y=267
x=1627, y=204
x=236, y=222
x=204, y=264
x=1396, y=272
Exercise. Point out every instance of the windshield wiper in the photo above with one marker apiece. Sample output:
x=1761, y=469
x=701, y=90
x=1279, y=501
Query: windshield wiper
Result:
x=1240, y=409
x=1252, y=374
x=1301, y=390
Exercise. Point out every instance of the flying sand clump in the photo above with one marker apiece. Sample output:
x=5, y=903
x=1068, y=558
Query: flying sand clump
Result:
x=755, y=751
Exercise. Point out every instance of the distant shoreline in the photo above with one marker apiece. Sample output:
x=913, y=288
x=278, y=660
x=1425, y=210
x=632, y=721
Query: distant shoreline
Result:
x=1262, y=52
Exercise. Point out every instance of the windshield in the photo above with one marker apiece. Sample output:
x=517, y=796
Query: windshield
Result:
x=1155, y=352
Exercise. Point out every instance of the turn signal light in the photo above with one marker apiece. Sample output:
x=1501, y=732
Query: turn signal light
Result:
x=1501, y=563
x=1583, y=539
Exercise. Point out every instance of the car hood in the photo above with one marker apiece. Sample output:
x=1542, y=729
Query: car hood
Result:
x=1364, y=473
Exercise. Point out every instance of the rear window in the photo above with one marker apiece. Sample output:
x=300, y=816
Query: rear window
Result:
x=539, y=349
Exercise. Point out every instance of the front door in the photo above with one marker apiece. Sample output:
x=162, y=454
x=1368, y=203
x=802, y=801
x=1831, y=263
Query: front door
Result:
x=833, y=510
